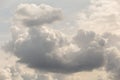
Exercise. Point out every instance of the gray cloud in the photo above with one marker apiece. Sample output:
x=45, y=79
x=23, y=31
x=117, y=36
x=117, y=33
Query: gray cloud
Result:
x=103, y=17
x=113, y=56
x=112, y=64
x=47, y=49
x=50, y=50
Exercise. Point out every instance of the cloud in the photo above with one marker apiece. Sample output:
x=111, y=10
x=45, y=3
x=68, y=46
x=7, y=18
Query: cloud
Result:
x=20, y=72
x=101, y=16
x=4, y=75
x=46, y=49
x=50, y=50
x=113, y=56
x=36, y=15
x=112, y=64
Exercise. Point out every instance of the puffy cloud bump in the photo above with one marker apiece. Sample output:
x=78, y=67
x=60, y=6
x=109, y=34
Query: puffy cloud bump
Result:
x=33, y=15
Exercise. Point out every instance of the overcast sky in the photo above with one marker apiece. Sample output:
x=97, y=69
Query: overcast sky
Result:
x=59, y=40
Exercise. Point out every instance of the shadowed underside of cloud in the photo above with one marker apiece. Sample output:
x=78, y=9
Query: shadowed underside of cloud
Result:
x=47, y=49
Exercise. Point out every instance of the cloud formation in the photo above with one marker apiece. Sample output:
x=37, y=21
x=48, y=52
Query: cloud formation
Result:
x=33, y=15
x=20, y=72
x=44, y=48
x=101, y=16
x=113, y=56
x=48, y=49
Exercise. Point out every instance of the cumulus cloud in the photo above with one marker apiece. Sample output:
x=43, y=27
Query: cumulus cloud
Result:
x=113, y=57
x=46, y=49
x=112, y=65
x=101, y=16
x=50, y=50
x=36, y=15
x=20, y=72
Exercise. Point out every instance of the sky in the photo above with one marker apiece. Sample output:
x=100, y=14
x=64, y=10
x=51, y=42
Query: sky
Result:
x=59, y=40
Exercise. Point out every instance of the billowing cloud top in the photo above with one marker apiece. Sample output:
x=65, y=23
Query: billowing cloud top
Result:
x=33, y=15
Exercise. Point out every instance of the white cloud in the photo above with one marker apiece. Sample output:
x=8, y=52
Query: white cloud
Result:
x=36, y=15
x=20, y=72
x=101, y=16
x=5, y=75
